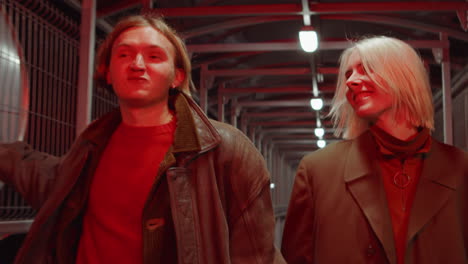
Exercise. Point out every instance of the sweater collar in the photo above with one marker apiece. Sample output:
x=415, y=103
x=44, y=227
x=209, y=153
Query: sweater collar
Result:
x=392, y=146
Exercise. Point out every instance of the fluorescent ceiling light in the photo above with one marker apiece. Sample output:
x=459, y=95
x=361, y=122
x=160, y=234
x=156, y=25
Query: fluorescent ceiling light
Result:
x=321, y=143
x=319, y=132
x=308, y=39
x=316, y=103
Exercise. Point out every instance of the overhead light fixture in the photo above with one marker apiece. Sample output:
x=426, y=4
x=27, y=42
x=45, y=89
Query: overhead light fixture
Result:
x=321, y=143
x=316, y=103
x=272, y=185
x=319, y=132
x=308, y=38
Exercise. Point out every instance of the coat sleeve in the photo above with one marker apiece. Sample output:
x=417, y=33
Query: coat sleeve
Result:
x=298, y=238
x=30, y=172
x=464, y=202
x=251, y=220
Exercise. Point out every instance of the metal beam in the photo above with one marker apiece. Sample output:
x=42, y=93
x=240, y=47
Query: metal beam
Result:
x=85, y=82
x=15, y=227
x=446, y=95
x=462, y=17
x=221, y=102
x=234, y=112
x=280, y=114
x=115, y=7
x=100, y=23
x=231, y=10
x=284, y=123
x=234, y=23
x=280, y=103
x=386, y=7
x=315, y=8
x=274, y=137
x=270, y=71
x=306, y=12
x=285, y=89
x=295, y=146
x=393, y=21
x=406, y=23
x=290, y=130
x=298, y=153
x=457, y=85
x=294, y=45
x=223, y=56
x=296, y=141
x=204, y=85
x=147, y=4
x=285, y=144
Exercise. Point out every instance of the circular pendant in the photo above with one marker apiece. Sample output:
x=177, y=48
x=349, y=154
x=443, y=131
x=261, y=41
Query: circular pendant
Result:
x=401, y=180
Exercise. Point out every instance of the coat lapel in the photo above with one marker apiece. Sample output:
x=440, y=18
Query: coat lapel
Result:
x=437, y=183
x=362, y=177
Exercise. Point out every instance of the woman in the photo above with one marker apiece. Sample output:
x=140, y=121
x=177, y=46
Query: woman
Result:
x=389, y=193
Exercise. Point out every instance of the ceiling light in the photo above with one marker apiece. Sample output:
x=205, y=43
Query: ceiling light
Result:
x=319, y=132
x=316, y=103
x=308, y=39
x=272, y=185
x=321, y=143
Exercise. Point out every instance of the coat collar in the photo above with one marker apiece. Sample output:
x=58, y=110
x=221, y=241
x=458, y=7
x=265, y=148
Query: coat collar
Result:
x=439, y=179
x=363, y=179
x=194, y=131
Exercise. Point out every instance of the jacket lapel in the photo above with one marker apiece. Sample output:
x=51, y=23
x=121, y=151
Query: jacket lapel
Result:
x=437, y=182
x=362, y=177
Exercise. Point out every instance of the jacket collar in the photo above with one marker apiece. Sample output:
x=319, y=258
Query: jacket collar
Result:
x=194, y=131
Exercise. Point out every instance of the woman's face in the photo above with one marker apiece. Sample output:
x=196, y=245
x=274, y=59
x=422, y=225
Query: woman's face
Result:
x=368, y=100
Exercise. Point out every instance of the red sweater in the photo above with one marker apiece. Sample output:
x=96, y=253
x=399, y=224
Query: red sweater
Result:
x=112, y=225
x=401, y=164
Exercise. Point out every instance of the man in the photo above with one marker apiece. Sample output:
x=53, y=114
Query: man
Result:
x=390, y=193
x=155, y=181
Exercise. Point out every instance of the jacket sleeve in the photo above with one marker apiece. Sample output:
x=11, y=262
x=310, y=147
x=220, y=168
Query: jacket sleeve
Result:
x=252, y=222
x=298, y=238
x=30, y=172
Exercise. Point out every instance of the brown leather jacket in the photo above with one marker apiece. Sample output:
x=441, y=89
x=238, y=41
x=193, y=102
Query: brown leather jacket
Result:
x=217, y=181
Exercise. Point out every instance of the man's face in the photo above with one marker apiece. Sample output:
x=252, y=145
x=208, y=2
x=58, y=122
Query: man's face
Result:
x=141, y=69
x=368, y=100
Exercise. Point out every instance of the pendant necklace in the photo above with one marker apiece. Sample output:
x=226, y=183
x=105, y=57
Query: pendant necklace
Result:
x=401, y=180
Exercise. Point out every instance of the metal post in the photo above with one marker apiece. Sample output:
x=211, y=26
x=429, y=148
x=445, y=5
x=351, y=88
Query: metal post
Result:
x=234, y=111
x=265, y=150
x=147, y=4
x=446, y=93
x=259, y=141
x=221, y=101
x=244, y=123
x=204, y=89
x=270, y=155
x=306, y=12
x=252, y=134
x=85, y=87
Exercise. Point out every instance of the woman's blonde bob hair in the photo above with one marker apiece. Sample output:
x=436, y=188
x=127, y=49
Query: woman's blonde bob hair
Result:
x=398, y=70
x=182, y=59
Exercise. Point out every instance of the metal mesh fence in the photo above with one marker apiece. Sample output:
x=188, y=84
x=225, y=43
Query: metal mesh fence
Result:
x=50, y=45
